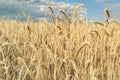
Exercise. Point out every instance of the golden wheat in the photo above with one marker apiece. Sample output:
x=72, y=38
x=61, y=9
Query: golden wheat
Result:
x=52, y=14
x=107, y=12
x=46, y=51
x=76, y=10
x=66, y=15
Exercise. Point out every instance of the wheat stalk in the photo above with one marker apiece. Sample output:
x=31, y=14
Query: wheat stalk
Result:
x=52, y=14
x=76, y=10
x=115, y=21
x=100, y=23
x=97, y=22
x=107, y=12
x=86, y=43
x=66, y=15
x=26, y=16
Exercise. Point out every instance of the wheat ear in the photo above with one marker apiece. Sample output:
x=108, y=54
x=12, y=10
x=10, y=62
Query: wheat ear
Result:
x=66, y=15
x=52, y=14
x=76, y=10
x=61, y=20
x=107, y=12
x=99, y=23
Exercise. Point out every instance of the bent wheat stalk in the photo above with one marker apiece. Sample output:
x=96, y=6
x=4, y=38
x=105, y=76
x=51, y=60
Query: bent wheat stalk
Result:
x=60, y=19
x=26, y=16
x=115, y=21
x=102, y=24
x=76, y=10
x=52, y=14
x=66, y=15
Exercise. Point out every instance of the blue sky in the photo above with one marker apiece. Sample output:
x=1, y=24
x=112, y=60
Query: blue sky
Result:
x=38, y=8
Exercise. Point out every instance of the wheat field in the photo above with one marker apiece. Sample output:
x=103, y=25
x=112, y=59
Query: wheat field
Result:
x=59, y=50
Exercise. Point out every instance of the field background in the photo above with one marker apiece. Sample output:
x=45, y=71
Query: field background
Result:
x=59, y=50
